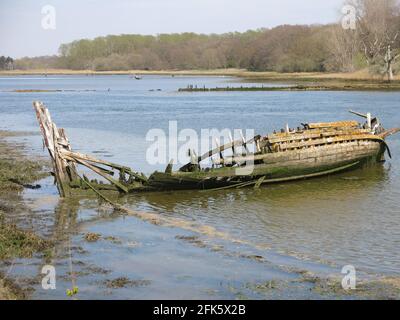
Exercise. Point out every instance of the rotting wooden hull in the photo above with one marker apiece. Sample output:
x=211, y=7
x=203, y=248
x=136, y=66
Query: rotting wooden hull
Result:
x=279, y=167
x=315, y=150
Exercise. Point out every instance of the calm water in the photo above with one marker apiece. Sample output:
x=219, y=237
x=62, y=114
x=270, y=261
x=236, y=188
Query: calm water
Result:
x=352, y=218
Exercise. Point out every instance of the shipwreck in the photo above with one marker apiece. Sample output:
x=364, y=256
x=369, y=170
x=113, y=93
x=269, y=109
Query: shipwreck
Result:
x=312, y=150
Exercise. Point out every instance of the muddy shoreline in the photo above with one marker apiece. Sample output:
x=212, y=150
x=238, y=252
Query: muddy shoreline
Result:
x=17, y=172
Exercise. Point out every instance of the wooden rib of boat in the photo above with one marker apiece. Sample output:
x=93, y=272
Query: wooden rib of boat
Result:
x=313, y=150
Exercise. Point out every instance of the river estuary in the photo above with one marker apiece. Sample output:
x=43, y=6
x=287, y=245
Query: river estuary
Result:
x=274, y=235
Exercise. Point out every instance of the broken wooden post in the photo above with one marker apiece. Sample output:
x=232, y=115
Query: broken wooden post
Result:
x=231, y=141
x=56, y=140
x=244, y=142
x=64, y=160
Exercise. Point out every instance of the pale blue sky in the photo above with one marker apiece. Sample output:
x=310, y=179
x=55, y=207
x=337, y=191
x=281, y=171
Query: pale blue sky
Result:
x=21, y=33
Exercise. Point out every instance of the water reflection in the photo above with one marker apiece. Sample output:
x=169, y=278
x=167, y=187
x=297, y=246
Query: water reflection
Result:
x=348, y=186
x=329, y=218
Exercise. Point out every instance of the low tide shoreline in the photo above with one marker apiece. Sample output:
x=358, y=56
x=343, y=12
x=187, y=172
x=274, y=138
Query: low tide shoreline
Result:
x=17, y=172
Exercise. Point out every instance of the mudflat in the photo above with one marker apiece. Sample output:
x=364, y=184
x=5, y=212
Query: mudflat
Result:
x=17, y=172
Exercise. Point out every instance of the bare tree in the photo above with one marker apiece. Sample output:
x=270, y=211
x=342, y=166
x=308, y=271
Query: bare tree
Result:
x=378, y=26
x=389, y=61
x=344, y=47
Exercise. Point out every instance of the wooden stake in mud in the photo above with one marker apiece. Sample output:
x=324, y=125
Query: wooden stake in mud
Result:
x=56, y=140
x=64, y=160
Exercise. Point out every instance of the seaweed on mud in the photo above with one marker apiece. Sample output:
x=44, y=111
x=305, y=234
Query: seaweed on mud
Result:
x=16, y=170
x=19, y=243
x=382, y=289
x=98, y=270
x=15, y=175
x=266, y=285
x=92, y=237
x=10, y=291
x=79, y=250
x=194, y=240
x=84, y=271
x=253, y=257
x=124, y=282
x=113, y=240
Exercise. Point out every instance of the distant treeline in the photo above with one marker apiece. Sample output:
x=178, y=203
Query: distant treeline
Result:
x=285, y=48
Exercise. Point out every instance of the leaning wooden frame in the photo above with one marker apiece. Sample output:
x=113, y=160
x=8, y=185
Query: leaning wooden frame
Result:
x=313, y=150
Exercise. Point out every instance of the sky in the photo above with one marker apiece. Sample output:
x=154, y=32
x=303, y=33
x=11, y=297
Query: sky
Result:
x=22, y=33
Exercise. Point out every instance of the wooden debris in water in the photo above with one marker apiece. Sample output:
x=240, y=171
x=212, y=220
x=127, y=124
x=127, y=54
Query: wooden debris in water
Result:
x=64, y=159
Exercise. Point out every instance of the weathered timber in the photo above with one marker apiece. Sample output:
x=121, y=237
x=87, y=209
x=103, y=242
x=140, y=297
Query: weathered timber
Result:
x=79, y=156
x=330, y=140
x=313, y=134
x=338, y=124
x=389, y=133
x=316, y=150
x=104, y=175
x=233, y=144
x=56, y=140
x=263, y=180
x=64, y=159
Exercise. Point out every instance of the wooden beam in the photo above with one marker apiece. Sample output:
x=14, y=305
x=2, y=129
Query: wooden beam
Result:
x=104, y=175
x=236, y=143
x=338, y=124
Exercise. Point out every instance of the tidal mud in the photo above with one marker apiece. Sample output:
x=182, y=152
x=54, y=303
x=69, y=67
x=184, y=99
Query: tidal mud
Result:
x=17, y=172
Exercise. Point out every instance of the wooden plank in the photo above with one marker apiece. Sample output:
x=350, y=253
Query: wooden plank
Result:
x=313, y=134
x=338, y=124
x=85, y=157
x=104, y=175
x=307, y=176
x=284, y=155
x=328, y=140
x=262, y=181
x=59, y=167
x=220, y=149
x=44, y=120
x=388, y=133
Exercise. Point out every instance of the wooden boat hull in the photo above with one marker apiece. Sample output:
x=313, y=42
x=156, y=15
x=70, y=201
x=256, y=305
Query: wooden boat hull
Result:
x=279, y=166
x=315, y=150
